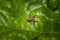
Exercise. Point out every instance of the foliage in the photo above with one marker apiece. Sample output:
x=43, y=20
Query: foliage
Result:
x=13, y=24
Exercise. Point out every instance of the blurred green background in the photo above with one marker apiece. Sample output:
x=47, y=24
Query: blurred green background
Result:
x=14, y=13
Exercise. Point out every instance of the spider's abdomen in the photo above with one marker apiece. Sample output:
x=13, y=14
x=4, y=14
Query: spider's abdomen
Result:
x=30, y=19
